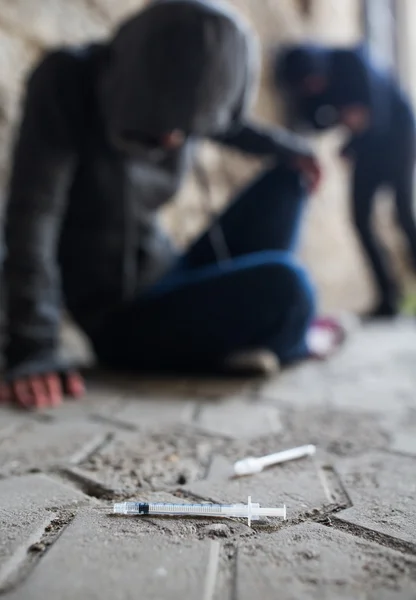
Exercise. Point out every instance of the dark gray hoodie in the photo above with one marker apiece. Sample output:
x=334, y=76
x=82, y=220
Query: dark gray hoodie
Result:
x=88, y=174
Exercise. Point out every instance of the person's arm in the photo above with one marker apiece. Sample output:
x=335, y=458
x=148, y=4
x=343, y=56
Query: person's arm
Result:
x=270, y=141
x=362, y=84
x=275, y=143
x=350, y=147
x=43, y=163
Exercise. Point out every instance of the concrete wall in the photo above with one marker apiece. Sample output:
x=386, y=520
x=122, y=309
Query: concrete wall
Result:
x=27, y=27
x=406, y=24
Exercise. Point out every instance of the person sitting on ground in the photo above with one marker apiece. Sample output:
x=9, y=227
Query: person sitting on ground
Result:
x=108, y=132
x=326, y=87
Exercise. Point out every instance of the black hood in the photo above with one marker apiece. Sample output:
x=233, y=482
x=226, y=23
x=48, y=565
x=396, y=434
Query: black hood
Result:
x=295, y=63
x=179, y=64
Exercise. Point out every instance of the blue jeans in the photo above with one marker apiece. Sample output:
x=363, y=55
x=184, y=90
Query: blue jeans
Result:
x=203, y=310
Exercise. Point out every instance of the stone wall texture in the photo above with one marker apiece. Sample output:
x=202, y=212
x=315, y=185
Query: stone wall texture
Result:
x=329, y=248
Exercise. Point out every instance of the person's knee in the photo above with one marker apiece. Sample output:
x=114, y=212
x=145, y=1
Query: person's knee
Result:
x=302, y=297
x=295, y=300
x=288, y=178
x=286, y=283
x=281, y=183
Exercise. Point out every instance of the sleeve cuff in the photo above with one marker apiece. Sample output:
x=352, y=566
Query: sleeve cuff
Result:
x=39, y=367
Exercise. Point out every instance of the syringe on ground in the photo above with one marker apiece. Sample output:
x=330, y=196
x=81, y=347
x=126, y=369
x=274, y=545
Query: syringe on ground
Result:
x=250, y=511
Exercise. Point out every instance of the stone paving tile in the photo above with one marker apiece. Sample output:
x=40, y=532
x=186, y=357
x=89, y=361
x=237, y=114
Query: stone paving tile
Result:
x=130, y=386
x=288, y=388
x=156, y=413
x=404, y=440
x=238, y=418
x=125, y=408
x=137, y=461
x=100, y=558
x=302, y=486
x=315, y=562
x=28, y=504
x=97, y=403
x=43, y=445
x=372, y=391
x=379, y=346
x=191, y=388
x=375, y=372
x=220, y=469
x=10, y=419
x=401, y=428
x=221, y=388
x=336, y=432
x=382, y=489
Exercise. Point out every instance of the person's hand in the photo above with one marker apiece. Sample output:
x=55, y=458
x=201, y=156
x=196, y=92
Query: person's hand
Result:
x=311, y=169
x=355, y=117
x=42, y=391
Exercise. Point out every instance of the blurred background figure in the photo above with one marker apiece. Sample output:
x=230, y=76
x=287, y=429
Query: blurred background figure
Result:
x=326, y=87
x=329, y=246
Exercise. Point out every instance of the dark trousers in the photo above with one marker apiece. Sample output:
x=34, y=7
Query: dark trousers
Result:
x=370, y=174
x=203, y=309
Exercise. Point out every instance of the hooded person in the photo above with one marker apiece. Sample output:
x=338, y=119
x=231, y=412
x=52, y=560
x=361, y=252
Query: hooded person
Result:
x=326, y=87
x=107, y=136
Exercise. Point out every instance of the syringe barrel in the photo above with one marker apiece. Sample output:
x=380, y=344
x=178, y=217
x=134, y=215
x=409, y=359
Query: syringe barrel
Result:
x=250, y=511
x=126, y=508
x=241, y=511
x=196, y=510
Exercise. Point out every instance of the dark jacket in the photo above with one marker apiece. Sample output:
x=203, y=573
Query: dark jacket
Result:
x=81, y=213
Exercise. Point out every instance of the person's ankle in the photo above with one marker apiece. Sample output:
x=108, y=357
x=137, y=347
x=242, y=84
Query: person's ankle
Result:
x=384, y=310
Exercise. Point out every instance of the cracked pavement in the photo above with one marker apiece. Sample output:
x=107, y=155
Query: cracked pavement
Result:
x=351, y=527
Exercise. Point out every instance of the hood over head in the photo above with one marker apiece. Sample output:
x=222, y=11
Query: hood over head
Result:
x=295, y=63
x=186, y=65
